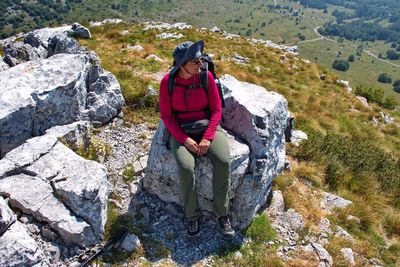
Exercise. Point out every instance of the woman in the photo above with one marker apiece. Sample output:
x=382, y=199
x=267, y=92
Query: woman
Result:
x=186, y=103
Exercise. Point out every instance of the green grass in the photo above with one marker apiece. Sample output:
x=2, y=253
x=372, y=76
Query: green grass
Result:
x=261, y=230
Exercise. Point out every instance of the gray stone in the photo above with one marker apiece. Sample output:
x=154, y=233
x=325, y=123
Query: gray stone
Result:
x=16, y=53
x=262, y=125
x=130, y=243
x=106, y=21
x=145, y=213
x=288, y=224
x=55, y=91
x=25, y=219
x=77, y=30
x=155, y=58
x=340, y=232
x=47, y=233
x=85, y=190
x=277, y=205
x=41, y=37
x=135, y=47
x=17, y=248
x=331, y=201
x=348, y=255
x=353, y=218
x=298, y=137
x=61, y=43
x=326, y=260
x=35, y=197
x=140, y=165
x=3, y=65
x=7, y=216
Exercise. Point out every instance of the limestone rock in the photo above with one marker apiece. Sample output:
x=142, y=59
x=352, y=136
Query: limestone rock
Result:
x=41, y=37
x=61, y=43
x=165, y=35
x=298, y=137
x=16, y=53
x=348, y=255
x=162, y=178
x=135, y=48
x=3, y=65
x=77, y=30
x=130, y=243
x=253, y=168
x=325, y=258
x=7, y=216
x=35, y=197
x=57, y=186
x=106, y=21
x=263, y=118
x=55, y=91
x=88, y=199
x=277, y=205
x=331, y=201
x=17, y=248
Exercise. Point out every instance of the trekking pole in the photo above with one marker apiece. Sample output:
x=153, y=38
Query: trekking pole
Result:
x=110, y=244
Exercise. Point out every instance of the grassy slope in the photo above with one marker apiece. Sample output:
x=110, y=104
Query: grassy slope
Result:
x=319, y=105
x=280, y=26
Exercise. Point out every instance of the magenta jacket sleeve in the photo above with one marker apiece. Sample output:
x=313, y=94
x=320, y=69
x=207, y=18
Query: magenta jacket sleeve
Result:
x=166, y=112
x=215, y=106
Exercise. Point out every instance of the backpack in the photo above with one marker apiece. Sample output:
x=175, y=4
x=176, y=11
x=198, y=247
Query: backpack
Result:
x=208, y=65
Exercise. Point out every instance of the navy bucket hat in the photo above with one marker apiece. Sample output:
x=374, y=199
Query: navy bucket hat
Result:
x=186, y=51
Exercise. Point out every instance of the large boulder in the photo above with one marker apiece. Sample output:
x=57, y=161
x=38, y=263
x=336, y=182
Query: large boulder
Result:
x=55, y=91
x=47, y=180
x=255, y=120
x=17, y=248
x=3, y=65
x=7, y=217
x=18, y=52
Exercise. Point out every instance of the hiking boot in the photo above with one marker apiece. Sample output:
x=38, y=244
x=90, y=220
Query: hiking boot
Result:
x=226, y=227
x=193, y=229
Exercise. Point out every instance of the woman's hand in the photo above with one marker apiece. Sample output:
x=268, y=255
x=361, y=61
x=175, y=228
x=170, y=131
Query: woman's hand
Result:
x=203, y=147
x=191, y=145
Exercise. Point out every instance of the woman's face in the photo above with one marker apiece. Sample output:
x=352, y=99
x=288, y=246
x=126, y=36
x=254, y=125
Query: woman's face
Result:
x=193, y=66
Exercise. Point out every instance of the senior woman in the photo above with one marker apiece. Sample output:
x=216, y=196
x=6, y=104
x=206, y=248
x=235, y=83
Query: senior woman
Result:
x=185, y=104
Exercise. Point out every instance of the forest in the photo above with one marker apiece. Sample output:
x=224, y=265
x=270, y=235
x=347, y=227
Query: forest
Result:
x=370, y=20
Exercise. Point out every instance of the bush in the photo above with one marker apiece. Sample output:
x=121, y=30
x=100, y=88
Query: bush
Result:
x=341, y=65
x=384, y=78
x=390, y=103
x=371, y=94
x=351, y=58
x=393, y=55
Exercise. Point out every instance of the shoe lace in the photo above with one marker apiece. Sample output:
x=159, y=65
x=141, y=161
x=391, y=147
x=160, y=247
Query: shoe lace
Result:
x=225, y=222
x=193, y=226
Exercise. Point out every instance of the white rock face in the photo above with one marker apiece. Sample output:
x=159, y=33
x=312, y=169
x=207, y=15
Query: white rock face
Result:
x=254, y=117
x=55, y=91
x=17, y=248
x=3, y=65
x=298, y=137
x=7, y=217
x=331, y=201
x=45, y=179
x=348, y=255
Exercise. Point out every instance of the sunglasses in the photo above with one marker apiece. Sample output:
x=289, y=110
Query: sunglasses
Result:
x=196, y=61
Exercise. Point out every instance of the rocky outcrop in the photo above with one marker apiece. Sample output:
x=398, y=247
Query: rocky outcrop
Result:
x=55, y=91
x=7, y=217
x=45, y=179
x=257, y=152
x=17, y=248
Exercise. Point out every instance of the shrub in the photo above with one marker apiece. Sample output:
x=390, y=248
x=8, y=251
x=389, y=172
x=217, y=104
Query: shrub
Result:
x=393, y=55
x=371, y=94
x=392, y=223
x=384, y=78
x=341, y=65
x=390, y=103
x=351, y=58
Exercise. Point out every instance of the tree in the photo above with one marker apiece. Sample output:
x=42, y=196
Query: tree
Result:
x=341, y=65
x=393, y=55
x=351, y=58
x=384, y=78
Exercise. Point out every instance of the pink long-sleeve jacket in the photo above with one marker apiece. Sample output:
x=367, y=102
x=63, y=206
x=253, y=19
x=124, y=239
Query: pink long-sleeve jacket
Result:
x=190, y=105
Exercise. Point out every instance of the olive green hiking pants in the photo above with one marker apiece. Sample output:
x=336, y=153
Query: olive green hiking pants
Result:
x=218, y=153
